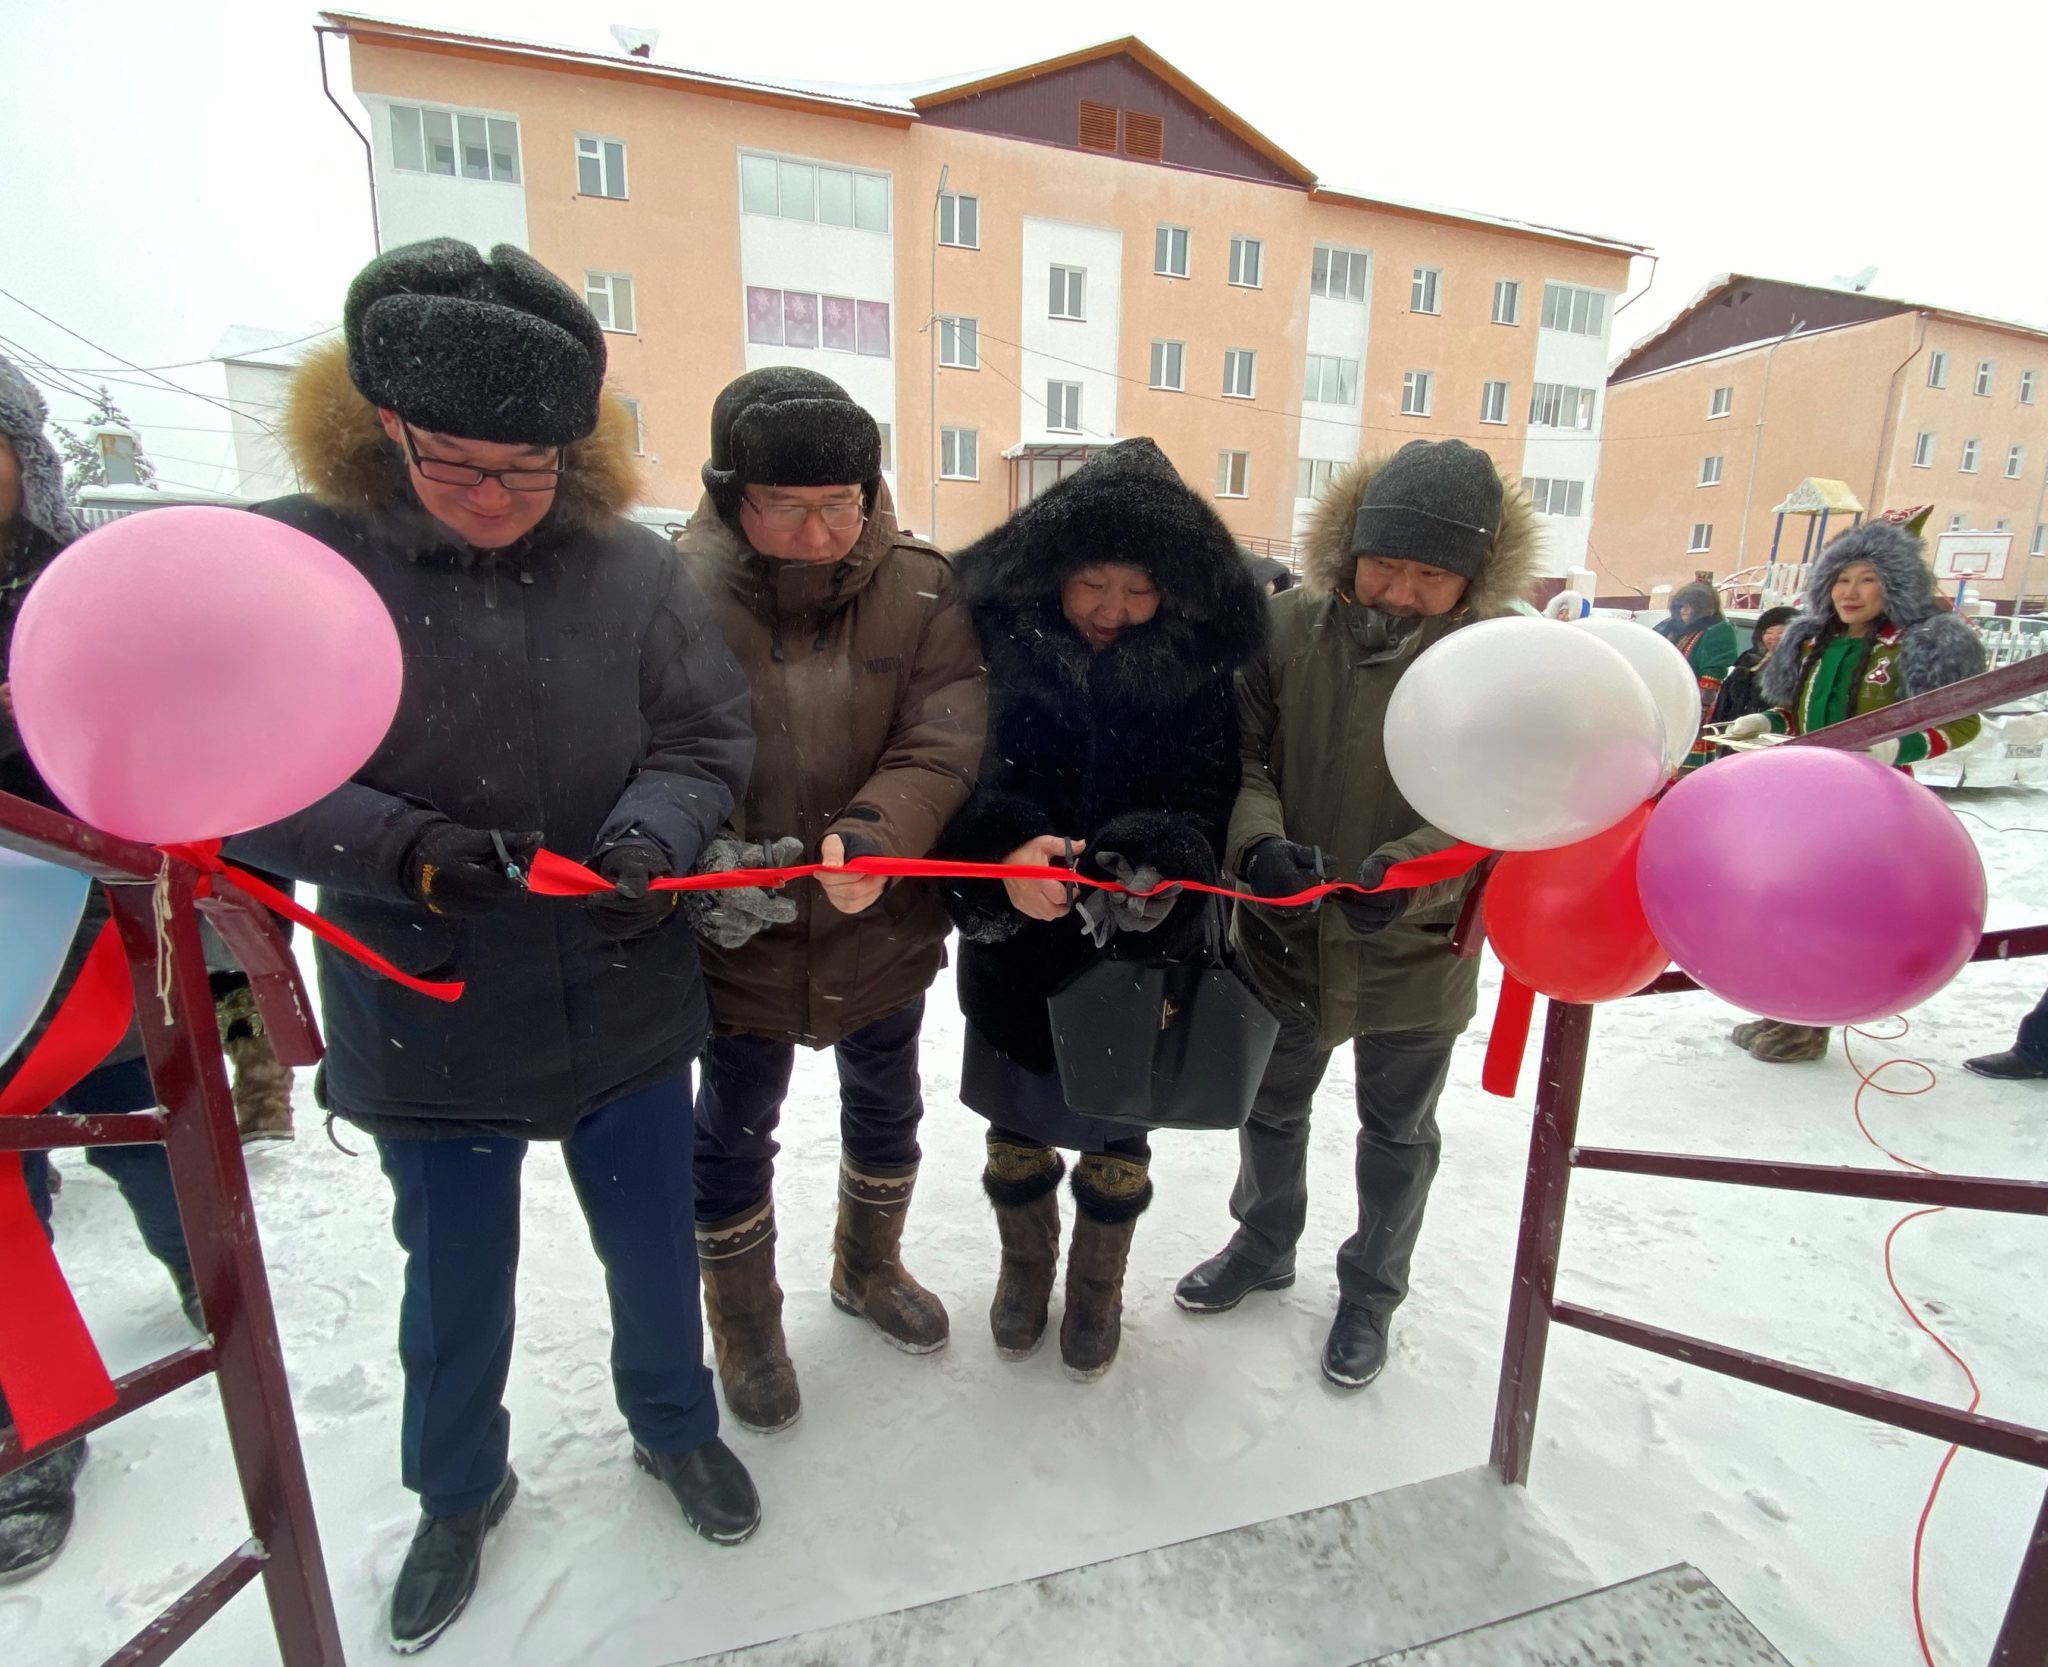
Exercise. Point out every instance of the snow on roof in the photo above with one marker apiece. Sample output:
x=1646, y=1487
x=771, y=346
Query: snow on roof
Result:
x=1533, y=228
x=252, y=344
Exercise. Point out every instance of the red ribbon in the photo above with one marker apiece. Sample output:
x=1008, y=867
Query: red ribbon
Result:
x=1502, y=1072
x=50, y=1367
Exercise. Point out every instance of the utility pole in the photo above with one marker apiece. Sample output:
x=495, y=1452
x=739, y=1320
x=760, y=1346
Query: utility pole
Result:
x=931, y=331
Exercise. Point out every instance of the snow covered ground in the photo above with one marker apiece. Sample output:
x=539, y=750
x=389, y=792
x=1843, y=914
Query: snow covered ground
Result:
x=912, y=1479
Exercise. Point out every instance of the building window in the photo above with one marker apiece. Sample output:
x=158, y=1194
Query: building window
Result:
x=2002, y=525
x=2015, y=461
x=960, y=343
x=836, y=323
x=1983, y=387
x=1493, y=403
x=1923, y=449
x=1702, y=538
x=1240, y=370
x=1069, y=293
x=1720, y=403
x=1710, y=471
x=1337, y=274
x=872, y=332
x=632, y=406
x=1330, y=380
x=425, y=140
x=600, y=166
x=1245, y=256
x=1937, y=370
x=1576, y=311
x=792, y=190
x=1170, y=251
x=1425, y=290
x=1415, y=388
x=609, y=295
x=1969, y=457
x=1063, y=407
x=1558, y=405
x=2026, y=387
x=1169, y=365
x=959, y=454
x=1313, y=476
x=1556, y=497
x=1233, y=474
x=2040, y=544
x=1507, y=301
x=959, y=221
x=887, y=432
x=1955, y=523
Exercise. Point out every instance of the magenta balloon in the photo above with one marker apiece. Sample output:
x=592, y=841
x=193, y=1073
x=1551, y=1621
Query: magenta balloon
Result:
x=1813, y=886
x=190, y=673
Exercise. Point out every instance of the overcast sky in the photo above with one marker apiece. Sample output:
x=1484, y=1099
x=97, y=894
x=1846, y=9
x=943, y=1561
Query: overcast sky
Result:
x=171, y=170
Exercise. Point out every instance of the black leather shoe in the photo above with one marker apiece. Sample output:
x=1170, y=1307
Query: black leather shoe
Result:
x=441, y=1569
x=1224, y=1281
x=36, y=1509
x=2006, y=1067
x=712, y=1486
x=1357, y=1350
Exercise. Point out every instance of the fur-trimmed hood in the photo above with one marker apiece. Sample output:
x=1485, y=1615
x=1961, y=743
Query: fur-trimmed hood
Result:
x=23, y=421
x=1935, y=647
x=1128, y=505
x=345, y=460
x=1505, y=578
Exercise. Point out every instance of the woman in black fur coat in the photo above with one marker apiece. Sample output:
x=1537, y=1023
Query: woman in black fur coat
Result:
x=1113, y=611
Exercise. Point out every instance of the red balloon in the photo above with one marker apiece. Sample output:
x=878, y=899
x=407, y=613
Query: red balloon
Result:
x=1569, y=924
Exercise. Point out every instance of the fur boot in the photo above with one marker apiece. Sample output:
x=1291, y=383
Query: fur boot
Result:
x=868, y=1276
x=743, y=1307
x=1022, y=1182
x=262, y=1086
x=1110, y=1193
x=1789, y=1044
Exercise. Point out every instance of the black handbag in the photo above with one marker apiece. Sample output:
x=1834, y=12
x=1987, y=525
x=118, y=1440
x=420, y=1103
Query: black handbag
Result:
x=1162, y=1044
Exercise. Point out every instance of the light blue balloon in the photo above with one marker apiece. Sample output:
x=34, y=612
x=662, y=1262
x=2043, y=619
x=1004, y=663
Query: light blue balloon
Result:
x=40, y=904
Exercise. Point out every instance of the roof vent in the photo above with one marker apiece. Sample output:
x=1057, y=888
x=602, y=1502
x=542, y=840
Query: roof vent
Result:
x=1098, y=126
x=1144, y=136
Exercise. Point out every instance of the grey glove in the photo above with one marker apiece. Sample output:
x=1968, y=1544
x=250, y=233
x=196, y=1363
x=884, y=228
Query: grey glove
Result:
x=1104, y=912
x=729, y=918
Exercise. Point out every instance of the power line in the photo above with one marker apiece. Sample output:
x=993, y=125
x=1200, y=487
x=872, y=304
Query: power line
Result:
x=197, y=364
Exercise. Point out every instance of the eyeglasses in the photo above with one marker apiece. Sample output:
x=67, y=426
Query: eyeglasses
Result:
x=786, y=518
x=446, y=472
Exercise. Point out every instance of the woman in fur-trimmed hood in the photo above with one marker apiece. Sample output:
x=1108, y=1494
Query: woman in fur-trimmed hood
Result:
x=1112, y=610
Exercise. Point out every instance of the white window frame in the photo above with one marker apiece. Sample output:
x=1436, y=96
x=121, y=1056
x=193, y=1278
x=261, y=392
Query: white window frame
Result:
x=1923, y=449
x=1426, y=291
x=2015, y=461
x=1067, y=294
x=1710, y=471
x=1186, y=236
x=950, y=205
x=1169, y=354
x=1320, y=371
x=607, y=283
x=1316, y=473
x=949, y=442
x=2002, y=525
x=632, y=404
x=1511, y=290
x=859, y=178
x=1721, y=403
x=597, y=154
x=1970, y=451
x=1937, y=368
x=2040, y=544
x=1574, y=309
x=454, y=113
x=1563, y=405
x=1562, y=499
x=1702, y=539
x=1247, y=255
x=1240, y=364
x=1987, y=376
x=1955, y=523
x=888, y=434
x=1493, y=401
x=1418, y=393
x=2027, y=379
x=1357, y=265
x=956, y=331
x=1233, y=467
x=1068, y=395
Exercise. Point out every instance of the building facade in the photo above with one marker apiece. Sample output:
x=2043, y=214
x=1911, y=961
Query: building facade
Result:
x=1010, y=272
x=1758, y=386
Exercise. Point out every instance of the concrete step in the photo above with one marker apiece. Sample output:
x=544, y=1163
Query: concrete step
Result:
x=1324, y=1588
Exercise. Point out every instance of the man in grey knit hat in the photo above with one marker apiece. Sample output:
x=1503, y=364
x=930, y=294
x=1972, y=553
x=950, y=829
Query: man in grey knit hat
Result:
x=1401, y=550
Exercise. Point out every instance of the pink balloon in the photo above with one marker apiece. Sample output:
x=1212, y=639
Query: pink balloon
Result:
x=1812, y=886
x=190, y=673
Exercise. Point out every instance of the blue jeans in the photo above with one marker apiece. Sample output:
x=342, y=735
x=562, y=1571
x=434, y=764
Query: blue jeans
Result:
x=456, y=1215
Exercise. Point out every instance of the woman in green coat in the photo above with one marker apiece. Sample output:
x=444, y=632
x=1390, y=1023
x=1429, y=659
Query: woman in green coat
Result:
x=1707, y=641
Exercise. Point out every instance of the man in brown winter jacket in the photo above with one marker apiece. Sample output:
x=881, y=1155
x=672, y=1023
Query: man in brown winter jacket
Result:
x=869, y=708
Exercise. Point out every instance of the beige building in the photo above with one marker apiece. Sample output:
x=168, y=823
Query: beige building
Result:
x=1761, y=386
x=1009, y=272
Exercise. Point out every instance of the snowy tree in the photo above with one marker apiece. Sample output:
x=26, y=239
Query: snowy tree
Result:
x=83, y=464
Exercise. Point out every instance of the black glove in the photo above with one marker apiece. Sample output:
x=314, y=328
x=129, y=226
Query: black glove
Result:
x=466, y=871
x=1104, y=912
x=1279, y=868
x=629, y=909
x=1367, y=915
x=729, y=918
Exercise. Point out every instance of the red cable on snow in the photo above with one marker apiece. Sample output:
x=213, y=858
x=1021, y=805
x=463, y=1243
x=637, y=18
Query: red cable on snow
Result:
x=1865, y=1080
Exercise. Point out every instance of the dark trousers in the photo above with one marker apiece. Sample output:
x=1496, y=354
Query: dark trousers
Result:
x=143, y=1173
x=456, y=1214
x=2033, y=1038
x=746, y=1079
x=1400, y=1076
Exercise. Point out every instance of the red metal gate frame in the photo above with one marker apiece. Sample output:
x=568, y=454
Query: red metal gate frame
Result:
x=197, y=1130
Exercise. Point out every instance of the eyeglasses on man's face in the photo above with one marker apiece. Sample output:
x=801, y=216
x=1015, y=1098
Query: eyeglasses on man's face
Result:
x=786, y=518
x=445, y=471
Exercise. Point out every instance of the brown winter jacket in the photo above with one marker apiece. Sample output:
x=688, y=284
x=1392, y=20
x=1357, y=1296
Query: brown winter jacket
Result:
x=870, y=702
x=1312, y=713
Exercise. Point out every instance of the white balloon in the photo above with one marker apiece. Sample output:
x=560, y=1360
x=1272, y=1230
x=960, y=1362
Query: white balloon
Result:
x=1517, y=736
x=1669, y=675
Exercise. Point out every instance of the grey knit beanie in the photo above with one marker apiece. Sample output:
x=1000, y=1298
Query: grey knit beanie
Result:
x=782, y=426
x=1433, y=501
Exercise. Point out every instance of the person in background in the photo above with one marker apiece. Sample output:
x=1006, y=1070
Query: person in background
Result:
x=1868, y=635
x=1741, y=690
x=1707, y=641
x=2026, y=1060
